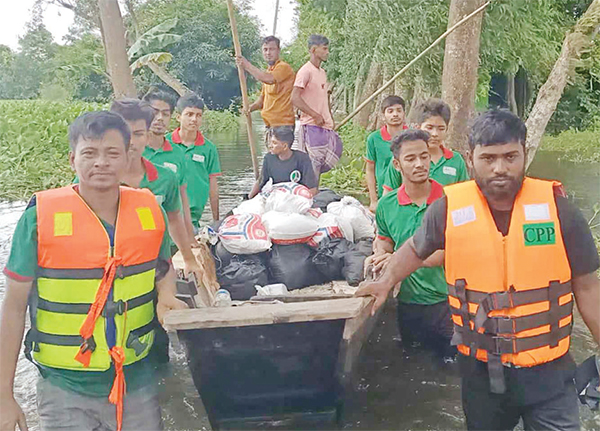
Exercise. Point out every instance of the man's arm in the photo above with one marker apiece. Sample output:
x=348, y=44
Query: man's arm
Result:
x=414, y=253
x=403, y=262
x=180, y=237
x=371, y=185
x=214, y=196
x=187, y=214
x=258, y=104
x=261, y=75
x=12, y=327
x=166, y=289
x=299, y=103
x=587, y=295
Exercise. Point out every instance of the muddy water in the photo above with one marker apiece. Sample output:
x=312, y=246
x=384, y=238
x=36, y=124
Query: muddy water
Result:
x=394, y=389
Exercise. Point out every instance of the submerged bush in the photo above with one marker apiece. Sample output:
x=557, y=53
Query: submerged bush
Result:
x=34, y=146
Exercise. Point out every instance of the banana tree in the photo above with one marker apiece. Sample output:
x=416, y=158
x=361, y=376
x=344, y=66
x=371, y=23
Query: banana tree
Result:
x=149, y=50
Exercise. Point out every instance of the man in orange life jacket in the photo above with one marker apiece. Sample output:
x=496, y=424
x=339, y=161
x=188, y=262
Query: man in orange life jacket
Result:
x=90, y=255
x=516, y=251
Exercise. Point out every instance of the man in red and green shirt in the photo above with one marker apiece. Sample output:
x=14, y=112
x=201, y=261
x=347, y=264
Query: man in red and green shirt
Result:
x=161, y=181
x=447, y=166
x=202, y=166
x=378, y=146
x=423, y=311
x=160, y=151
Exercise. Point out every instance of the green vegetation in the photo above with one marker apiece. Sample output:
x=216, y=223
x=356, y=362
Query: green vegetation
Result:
x=520, y=41
x=349, y=178
x=34, y=145
x=349, y=175
x=197, y=50
x=575, y=146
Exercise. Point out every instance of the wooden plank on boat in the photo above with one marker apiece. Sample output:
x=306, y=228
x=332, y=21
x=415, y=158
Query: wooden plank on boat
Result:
x=259, y=314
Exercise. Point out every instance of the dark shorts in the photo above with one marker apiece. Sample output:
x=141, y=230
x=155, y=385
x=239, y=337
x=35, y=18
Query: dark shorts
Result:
x=485, y=410
x=428, y=325
x=62, y=410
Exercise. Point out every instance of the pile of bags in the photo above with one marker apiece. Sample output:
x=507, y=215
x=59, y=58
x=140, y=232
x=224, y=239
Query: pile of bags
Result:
x=283, y=235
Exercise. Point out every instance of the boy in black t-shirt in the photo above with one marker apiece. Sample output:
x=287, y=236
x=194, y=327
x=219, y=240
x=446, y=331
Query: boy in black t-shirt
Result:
x=283, y=164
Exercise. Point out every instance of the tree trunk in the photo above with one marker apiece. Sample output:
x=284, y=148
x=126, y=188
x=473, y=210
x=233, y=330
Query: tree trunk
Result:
x=358, y=84
x=550, y=93
x=511, y=98
x=375, y=118
x=371, y=85
x=461, y=62
x=115, y=47
x=168, y=79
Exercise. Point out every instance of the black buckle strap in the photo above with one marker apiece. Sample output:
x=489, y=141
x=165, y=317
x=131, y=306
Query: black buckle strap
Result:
x=513, y=325
x=89, y=344
x=496, y=374
x=133, y=339
x=112, y=308
x=498, y=345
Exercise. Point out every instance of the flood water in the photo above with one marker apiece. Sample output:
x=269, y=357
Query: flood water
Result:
x=394, y=389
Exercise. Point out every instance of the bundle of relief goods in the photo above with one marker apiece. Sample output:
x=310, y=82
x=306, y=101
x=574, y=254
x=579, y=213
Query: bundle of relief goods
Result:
x=256, y=205
x=244, y=234
x=324, y=198
x=350, y=209
x=331, y=226
x=329, y=257
x=354, y=261
x=289, y=228
x=241, y=275
x=292, y=265
x=288, y=197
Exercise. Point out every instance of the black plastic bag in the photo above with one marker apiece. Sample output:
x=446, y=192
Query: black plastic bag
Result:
x=324, y=198
x=241, y=275
x=221, y=256
x=329, y=257
x=293, y=266
x=354, y=261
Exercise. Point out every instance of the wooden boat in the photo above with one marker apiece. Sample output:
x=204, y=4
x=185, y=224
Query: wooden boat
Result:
x=275, y=362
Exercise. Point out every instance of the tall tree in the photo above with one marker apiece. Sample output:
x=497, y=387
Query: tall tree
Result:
x=461, y=64
x=113, y=32
x=578, y=40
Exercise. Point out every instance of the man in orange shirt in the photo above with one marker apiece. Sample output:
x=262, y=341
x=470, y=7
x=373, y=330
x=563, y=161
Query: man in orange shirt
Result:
x=275, y=101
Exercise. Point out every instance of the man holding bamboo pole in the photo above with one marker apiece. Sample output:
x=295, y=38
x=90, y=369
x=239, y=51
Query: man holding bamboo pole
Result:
x=275, y=100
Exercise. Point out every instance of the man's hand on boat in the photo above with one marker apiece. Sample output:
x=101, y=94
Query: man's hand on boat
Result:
x=167, y=302
x=378, y=289
x=12, y=414
x=191, y=265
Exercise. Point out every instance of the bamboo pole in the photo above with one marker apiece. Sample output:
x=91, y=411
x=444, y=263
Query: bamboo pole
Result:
x=275, y=19
x=413, y=61
x=243, y=86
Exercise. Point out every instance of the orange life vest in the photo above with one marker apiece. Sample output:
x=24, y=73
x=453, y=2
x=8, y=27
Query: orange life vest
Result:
x=77, y=268
x=510, y=296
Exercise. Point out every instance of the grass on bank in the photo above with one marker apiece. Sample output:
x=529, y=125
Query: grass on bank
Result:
x=575, y=146
x=34, y=144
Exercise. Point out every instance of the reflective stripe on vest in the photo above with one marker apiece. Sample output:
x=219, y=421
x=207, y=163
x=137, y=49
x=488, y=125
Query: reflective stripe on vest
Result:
x=73, y=248
x=510, y=296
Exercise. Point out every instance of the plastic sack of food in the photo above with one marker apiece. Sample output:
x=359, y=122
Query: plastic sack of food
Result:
x=330, y=227
x=329, y=258
x=256, y=205
x=350, y=209
x=244, y=234
x=292, y=265
x=288, y=197
x=354, y=261
x=241, y=275
x=286, y=228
